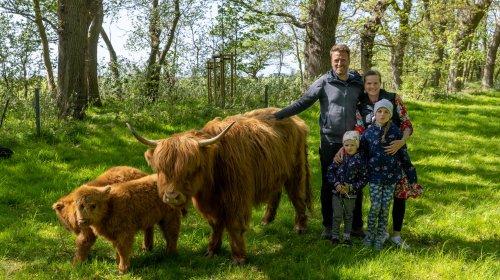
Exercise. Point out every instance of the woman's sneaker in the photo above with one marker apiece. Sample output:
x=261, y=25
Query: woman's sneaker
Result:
x=399, y=242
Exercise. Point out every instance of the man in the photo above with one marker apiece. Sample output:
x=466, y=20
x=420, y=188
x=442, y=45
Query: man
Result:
x=337, y=91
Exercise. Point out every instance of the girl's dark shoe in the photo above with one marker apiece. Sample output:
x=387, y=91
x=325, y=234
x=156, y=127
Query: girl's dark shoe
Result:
x=335, y=241
x=347, y=242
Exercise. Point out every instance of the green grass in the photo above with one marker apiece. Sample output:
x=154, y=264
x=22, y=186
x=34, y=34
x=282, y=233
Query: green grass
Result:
x=453, y=229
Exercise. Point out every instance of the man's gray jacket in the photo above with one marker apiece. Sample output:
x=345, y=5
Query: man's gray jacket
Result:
x=338, y=101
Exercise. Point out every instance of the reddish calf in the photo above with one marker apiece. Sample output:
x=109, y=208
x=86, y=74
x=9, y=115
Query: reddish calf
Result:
x=66, y=212
x=119, y=211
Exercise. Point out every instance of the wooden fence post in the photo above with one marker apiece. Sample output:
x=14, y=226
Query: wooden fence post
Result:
x=4, y=112
x=266, y=95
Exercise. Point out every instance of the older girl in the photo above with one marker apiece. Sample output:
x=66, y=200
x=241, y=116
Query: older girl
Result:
x=384, y=170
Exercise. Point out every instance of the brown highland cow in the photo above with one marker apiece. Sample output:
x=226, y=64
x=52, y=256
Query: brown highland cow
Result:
x=230, y=166
x=66, y=212
x=119, y=211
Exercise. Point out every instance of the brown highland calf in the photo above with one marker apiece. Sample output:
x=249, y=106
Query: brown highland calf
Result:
x=119, y=211
x=66, y=212
x=226, y=171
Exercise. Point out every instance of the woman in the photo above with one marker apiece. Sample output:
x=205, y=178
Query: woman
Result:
x=372, y=94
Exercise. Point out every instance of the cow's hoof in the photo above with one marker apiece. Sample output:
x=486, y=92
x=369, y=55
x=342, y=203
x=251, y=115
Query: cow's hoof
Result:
x=267, y=219
x=122, y=269
x=265, y=222
x=209, y=254
x=239, y=260
x=172, y=252
x=300, y=229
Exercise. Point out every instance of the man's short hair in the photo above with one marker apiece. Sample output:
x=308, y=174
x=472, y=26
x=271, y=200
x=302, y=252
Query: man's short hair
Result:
x=340, y=48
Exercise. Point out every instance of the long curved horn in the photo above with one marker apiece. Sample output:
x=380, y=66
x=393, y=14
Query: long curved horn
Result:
x=206, y=142
x=147, y=142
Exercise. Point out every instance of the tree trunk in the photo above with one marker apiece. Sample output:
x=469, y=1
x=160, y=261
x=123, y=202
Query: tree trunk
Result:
x=24, y=64
x=72, y=81
x=171, y=33
x=113, y=62
x=400, y=42
x=320, y=35
x=489, y=67
x=95, y=17
x=437, y=63
x=51, y=85
x=369, y=32
x=153, y=71
x=437, y=27
x=297, y=54
x=153, y=68
x=469, y=20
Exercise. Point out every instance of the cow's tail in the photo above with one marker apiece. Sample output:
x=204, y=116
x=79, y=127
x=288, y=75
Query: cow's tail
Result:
x=308, y=190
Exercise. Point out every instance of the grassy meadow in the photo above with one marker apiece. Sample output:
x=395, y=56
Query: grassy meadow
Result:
x=453, y=230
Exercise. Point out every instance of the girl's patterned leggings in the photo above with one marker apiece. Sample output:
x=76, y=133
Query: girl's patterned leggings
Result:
x=381, y=196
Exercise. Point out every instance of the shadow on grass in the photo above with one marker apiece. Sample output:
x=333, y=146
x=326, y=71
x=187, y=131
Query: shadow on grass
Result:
x=470, y=250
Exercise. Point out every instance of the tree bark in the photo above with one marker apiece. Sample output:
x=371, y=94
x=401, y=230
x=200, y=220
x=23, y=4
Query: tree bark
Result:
x=113, y=62
x=399, y=44
x=95, y=17
x=51, y=85
x=72, y=80
x=489, y=66
x=468, y=22
x=320, y=35
x=171, y=33
x=153, y=67
x=436, y=17
x=297, y=54
x=369, y=32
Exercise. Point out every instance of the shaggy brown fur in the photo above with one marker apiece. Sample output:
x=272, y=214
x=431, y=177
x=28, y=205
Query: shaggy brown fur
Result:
x=119, y=211
x=66, y=212
x=249, y=165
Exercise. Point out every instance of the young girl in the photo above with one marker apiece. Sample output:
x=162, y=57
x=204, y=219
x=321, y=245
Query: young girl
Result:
x=384, y=170
x=346, y=179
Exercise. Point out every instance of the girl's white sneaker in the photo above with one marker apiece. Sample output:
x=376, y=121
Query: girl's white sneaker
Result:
x=399, y=242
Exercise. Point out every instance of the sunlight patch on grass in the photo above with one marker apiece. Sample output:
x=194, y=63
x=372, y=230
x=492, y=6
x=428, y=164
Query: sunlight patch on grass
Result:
x=421, y=265
x=454, y=178
x=11, y=267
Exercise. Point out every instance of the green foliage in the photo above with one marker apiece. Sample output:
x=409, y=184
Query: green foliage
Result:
x=452, y=229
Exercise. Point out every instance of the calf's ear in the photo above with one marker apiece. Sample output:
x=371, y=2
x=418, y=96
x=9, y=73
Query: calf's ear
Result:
x=58, y=206
x=106, y=189
x=149, y=156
